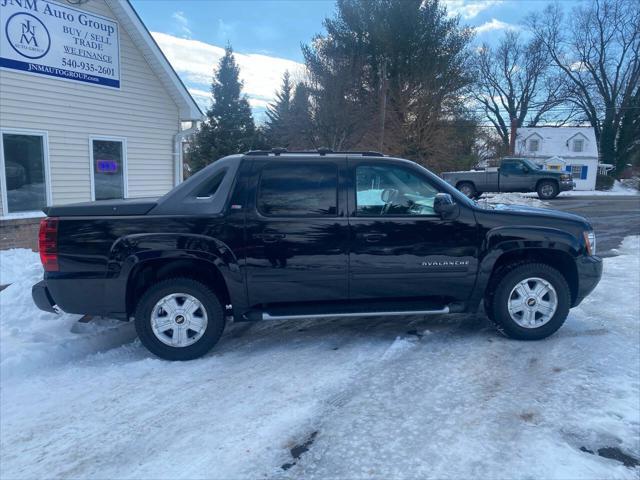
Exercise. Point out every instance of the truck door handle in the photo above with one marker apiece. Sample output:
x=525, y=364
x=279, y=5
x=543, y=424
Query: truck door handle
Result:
x=269, y=237
x=373, y=237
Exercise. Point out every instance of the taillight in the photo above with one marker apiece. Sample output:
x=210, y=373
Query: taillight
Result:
x=48, y=244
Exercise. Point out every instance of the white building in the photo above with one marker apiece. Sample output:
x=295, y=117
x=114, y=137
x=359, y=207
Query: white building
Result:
x=571, y=149
x=89, y=108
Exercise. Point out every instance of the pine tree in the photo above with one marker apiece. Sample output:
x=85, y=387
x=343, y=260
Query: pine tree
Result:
x=229, y=127
x=277, y=126
x=300, y=123
x=384, y=73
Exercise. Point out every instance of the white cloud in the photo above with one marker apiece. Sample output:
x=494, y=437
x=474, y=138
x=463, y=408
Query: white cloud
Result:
x=226, y=31
x=183, y=23
x=259, y=102
x=469, y=8
x=202, y=97
x=495, y=24
x=195, y=62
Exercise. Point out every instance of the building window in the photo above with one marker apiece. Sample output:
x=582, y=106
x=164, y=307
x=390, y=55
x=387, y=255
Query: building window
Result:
x=578, y=145
x=534, y=145
x=579, y=172
x=24, y=172
x=298, y=190
x=108, y=161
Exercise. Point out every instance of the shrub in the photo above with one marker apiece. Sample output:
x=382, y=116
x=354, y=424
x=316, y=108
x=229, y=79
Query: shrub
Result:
x=604, y=182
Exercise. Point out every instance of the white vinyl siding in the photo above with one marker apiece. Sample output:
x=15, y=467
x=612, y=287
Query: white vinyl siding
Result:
x=141, y=111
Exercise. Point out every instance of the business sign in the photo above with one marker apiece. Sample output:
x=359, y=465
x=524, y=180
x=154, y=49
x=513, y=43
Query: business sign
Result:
x=48, y=38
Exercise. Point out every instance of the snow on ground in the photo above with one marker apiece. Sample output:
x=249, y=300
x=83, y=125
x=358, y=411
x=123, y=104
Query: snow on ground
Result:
x=31, y=338
x=531, y=198
x=512, y=199
x=435, y=397
x=14, y=263
x=617, y=189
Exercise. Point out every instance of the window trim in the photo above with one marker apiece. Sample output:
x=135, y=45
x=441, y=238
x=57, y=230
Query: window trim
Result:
x=4, y=211
x=394, y=165
x=125, y=164
x=272, y=163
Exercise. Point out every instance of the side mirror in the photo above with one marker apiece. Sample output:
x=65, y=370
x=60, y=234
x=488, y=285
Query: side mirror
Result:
x=388, y=195
x=444, y=205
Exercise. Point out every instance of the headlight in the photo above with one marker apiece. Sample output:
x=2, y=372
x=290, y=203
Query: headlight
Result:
x=565, y=177
x=590, y=241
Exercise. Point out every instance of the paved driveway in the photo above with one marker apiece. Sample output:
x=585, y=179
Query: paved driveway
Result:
x=613, y=218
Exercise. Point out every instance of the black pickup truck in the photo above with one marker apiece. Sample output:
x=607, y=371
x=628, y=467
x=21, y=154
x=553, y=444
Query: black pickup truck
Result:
x=276, y=235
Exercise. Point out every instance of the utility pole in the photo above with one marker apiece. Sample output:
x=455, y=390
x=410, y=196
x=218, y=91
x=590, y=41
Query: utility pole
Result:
x=512, y=139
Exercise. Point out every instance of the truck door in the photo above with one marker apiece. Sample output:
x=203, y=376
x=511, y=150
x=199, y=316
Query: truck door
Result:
x=515, y=176
x=297, y=231
x=400, y=248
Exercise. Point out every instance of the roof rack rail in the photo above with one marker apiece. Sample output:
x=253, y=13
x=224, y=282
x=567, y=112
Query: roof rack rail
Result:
x=320, y=151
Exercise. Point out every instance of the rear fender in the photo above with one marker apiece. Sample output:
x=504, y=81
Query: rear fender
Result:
x=501, y=240
x=133, y=250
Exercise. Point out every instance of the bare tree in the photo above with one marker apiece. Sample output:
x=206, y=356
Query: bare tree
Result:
x=513, y=81
x=597, y=49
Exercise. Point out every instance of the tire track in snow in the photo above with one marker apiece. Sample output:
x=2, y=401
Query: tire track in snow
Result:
x=357, y=383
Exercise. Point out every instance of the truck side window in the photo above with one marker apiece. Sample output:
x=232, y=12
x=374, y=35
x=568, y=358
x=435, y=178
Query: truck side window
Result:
x=512, y=168
x=389, y=190
x=298, y=190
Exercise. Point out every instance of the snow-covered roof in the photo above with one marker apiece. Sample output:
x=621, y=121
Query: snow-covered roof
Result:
x=556, y=141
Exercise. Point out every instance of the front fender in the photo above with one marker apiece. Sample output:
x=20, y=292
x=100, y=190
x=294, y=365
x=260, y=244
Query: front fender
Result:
x=131, y=251
x=502, y=240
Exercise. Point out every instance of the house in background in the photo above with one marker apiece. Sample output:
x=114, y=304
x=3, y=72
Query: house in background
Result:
x=570, y=149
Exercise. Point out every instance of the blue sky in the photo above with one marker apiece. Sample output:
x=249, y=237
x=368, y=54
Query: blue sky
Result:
x=266, y=35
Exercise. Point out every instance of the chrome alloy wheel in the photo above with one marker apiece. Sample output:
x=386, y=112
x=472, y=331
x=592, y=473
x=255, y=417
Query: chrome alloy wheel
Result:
x=547, y=190
x=178, y=320
x=466, y=190
x=532, y=302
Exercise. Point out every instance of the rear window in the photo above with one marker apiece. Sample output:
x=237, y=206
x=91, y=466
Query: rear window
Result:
x=298, y=190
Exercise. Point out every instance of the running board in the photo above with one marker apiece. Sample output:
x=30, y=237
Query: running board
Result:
x=267, y=316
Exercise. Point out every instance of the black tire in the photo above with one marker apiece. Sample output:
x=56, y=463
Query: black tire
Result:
x=496, y=305
x=547, y=190
x=468, y=189
x=208, y=299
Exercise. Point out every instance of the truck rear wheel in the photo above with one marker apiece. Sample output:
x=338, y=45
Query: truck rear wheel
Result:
x=530, y=302
x=179, y=319
x=548, y=190
x=468, y=189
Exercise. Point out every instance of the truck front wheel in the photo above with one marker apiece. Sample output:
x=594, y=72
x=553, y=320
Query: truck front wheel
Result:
x=468, y=189
x=179, y=319
x=530, y=302
x=548, y=190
